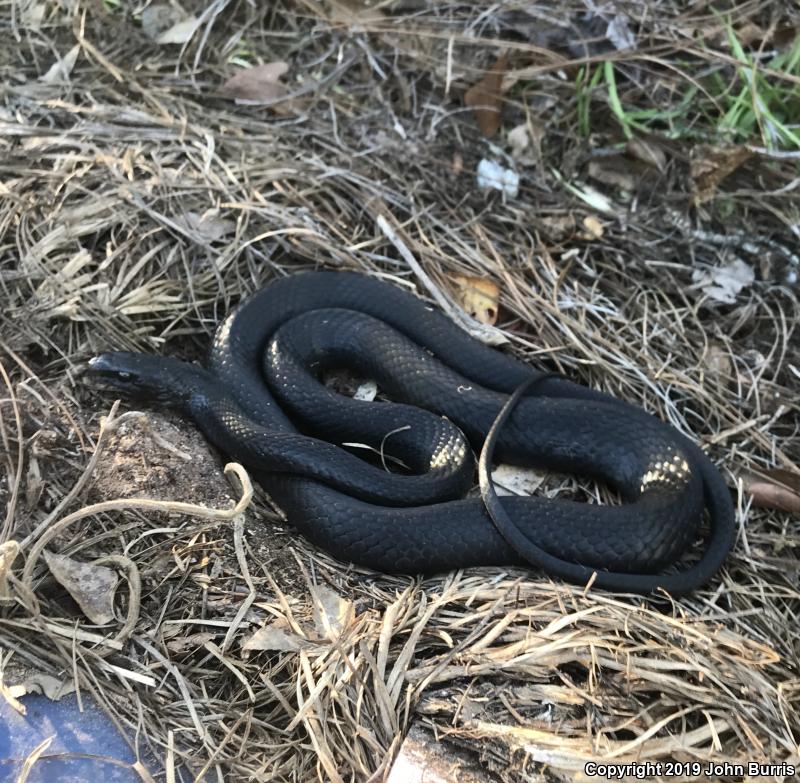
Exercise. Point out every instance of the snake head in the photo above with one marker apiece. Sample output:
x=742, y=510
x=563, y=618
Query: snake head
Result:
x=153, y=378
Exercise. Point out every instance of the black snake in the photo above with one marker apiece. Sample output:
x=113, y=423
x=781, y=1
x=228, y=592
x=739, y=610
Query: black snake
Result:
x=262, y=402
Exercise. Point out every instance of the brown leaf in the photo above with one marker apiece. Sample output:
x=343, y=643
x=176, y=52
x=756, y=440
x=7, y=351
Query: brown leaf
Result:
x=719, y=367
x=594, y=228
x=209, y=226
x=92, y=586
x=277, y=636
x=8, y=553
x=613, y=170
x=332, y=613
x=55, y=688
x=486, y=97
x=525, y=141
x=190, y=642
x=785, y=36
x=158, y=18
x=776, y=488
x=479, y=297
x=256, y=85
x=647, y=152
x=556, y=227
x=179, y=33
x=750, y=33
x=710, y=166
x=354, y=12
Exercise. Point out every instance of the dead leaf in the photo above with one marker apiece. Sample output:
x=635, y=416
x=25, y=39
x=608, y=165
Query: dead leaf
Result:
x=784, y=36
x=332, y=613
x=613, y=170
x=516, y=480
x=525, y=141
x=594, y=228
x=718, y=364
x=8, y=553
x=519, y=140
x=183, y=643
x=556, y=227
x=647, y=152
x=776, y=488
x=354, y=13
x=60, y=70
x=92, y=586
x=277, y=636
x=179, y=33
x=31, y=15
x=749, y=33
x=486, y=97
x=166, y=24
x=209, y=225
x=259, y=85
x=479, y=297
x=710, y=166
x=491, y=174
x=52, y=687
x=33, y=483
x=366, y=391
x=619, y=33
x=724, y=283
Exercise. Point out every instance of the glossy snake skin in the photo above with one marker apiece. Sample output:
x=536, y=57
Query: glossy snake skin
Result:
x=261, y=401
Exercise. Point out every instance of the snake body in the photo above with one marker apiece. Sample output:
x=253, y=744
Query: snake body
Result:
x=261, y=401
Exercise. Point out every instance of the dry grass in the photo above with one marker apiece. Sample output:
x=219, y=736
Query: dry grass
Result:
x=100, y=177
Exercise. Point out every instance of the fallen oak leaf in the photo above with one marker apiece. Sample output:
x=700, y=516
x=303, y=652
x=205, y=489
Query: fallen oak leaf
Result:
x=92, y=586
x=54, y=688
x=613, y=170
x=209, y=226
x=709, y=166
x=61, y=69
x=778, y=489
x=8, y=553
x=354, y=13
x=180, y=33
x=724, y=283
x=594, y=228
x=183, y=644
x=259, y=84
x=492, y=175
x=525, y=141
x=486, y=97
x=332, y=613
x=277, y=636
x=647, y=152
x=163, y=23
x=479, y=297
x=718, y=365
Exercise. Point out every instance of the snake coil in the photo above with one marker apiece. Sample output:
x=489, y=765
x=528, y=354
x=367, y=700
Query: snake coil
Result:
x=262, y=402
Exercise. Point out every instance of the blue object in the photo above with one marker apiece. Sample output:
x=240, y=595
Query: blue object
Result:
x=88, y=732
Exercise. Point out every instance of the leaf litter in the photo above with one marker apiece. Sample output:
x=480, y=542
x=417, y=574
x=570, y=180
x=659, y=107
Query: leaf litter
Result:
x=531, y=675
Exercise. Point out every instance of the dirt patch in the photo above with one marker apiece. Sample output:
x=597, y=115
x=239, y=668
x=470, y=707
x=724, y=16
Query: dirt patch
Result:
x=163, y=457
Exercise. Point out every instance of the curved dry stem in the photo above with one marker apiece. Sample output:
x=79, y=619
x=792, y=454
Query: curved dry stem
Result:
x=141, y=504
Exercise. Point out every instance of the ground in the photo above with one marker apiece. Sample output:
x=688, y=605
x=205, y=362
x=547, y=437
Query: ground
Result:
x=647, y=249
